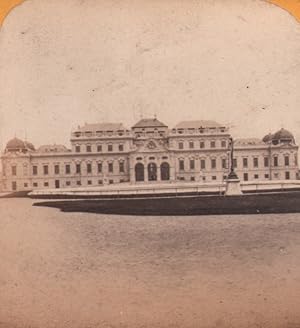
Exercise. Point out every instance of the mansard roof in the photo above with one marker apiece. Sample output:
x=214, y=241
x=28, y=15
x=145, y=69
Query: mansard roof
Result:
x=149, y=123
x=197, y=124
x=248, y=141
x=101, y=127
x=52, y=149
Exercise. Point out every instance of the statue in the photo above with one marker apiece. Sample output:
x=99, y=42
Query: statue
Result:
x=232, y=174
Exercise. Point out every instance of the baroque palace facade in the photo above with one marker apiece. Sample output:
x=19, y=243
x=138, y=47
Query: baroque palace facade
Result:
x=109, y=153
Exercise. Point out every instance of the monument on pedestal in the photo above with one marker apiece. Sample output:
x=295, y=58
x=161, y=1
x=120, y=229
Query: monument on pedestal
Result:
x=233, y=186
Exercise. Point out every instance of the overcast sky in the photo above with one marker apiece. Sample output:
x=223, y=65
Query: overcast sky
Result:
x=64, y=63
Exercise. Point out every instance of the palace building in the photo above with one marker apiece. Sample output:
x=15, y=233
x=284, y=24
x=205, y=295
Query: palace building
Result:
x=109, y=153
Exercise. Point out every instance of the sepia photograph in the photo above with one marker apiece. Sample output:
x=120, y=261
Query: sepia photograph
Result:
x=149, y=164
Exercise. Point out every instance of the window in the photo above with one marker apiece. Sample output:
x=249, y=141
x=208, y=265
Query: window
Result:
x=14, y=170
x=255, y=162
x=192, y=178
x=78, y=182
x=245, y=162
x=89, y=182
x=202, y=144
x=192, y=164
x=121, y=167
x=223, y=144
x=180, y=145
x=235, y=163
x=181, y=165
x=202, y=164
x=275, y=159
x=266, y=176
x=78, y=168
x=99, y=167
x=99, y=148
x=89, y=168
x=245, y=176
x=256, y=176
x=77, y=149
x=25, y=169
x=46, y=184
x=35, y=184
x=191, y=144
x=46, y=169
x=266, y=161
x=100, y=182
x=111, y=181
x=68, y=183
x=56, y=169
x=286, y=160
x=224, y=163
x=25, y=185
x=287, y=175
x=88, y=148
x=121, y=147
x=204, y=178
x=212, y=144
x=214, y=177
x=68, y=168
x=110, y=167
x=213, y=163
x=110, y=147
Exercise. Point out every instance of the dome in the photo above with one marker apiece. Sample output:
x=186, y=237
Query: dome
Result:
x=29, y=145
x=267, y=137
x=15, y=144
x=283, y=136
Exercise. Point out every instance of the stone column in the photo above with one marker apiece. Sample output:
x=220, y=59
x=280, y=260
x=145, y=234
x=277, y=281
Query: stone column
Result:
x=145, y=172
x=131, y=169
x=158, y=173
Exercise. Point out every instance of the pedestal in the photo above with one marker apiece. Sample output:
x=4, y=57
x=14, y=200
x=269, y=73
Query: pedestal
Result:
x=233, y=187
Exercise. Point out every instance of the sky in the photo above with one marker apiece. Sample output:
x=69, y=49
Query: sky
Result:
x=66, y=63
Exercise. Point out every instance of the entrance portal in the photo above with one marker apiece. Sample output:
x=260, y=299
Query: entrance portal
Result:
x=152, y=172
x=14, y=185
x=139, y=172
x=165, y=171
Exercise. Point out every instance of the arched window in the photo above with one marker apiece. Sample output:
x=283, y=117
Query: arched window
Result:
x=139, y=172
x=152, y=172
x=165, y=171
